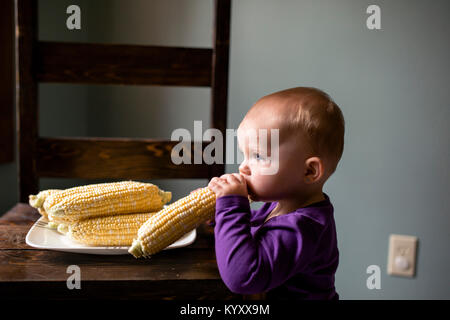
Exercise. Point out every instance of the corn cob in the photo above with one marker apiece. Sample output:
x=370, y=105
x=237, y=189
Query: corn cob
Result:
x=172, y=222
x=117, y=230
x=37, y=201
x=60, y=224
x=62, y=228
x=105, y=199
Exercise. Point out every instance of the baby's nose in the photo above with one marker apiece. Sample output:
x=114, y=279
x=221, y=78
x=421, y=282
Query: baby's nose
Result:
x=244, y=169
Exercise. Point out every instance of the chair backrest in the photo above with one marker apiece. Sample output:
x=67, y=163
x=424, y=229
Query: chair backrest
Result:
x=116, y=158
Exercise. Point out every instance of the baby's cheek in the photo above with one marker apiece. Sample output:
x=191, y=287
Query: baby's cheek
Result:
x=265, y=185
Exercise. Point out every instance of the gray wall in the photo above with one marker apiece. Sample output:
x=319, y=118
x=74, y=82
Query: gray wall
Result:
x=392, y=86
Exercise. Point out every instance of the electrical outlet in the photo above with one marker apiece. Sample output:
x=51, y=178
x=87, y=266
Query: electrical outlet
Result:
x=402, y=255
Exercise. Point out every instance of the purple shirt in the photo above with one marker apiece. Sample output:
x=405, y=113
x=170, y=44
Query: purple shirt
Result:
x=292, y=256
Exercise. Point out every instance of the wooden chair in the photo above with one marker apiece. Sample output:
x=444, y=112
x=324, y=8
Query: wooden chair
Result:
x=111, y=158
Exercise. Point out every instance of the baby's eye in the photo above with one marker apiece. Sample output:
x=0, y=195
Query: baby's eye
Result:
x=258, y=156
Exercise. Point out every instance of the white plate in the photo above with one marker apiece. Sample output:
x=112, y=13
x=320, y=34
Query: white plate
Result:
x=42, y=237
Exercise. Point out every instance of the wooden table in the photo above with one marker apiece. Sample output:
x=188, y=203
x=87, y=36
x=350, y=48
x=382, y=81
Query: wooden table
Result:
x=185, y=273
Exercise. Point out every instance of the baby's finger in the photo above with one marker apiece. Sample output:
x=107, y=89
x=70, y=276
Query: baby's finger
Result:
x=223, y=181
x=215, y=179
x=212, y=182
x=232, y=179
x=215, y=184
x=239, y=177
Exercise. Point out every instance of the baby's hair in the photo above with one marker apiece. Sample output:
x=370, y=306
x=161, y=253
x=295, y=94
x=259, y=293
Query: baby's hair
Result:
x=314, y=114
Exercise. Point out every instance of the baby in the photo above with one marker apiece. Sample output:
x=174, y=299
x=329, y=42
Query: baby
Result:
x=288, y=248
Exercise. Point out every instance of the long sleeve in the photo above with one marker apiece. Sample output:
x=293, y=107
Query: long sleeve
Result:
x=256, y=263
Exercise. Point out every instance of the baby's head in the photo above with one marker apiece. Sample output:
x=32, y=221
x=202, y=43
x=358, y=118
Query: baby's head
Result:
x=311, y=141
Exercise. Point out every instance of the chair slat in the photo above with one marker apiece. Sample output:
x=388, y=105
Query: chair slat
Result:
x=65, y=62
x=26, y=97
x=7, y=82
x=115, y=158
x=219, y=85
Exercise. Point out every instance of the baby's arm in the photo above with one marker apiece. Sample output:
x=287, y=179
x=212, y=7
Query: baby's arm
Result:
x=250, y=265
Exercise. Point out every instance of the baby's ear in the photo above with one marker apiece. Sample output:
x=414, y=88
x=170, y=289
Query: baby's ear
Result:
x=314, y=170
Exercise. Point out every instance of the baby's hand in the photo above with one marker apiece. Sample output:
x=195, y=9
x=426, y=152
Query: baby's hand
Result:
x=229, y=184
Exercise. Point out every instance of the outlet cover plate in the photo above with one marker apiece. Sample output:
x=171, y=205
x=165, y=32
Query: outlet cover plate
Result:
x=402, y=255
